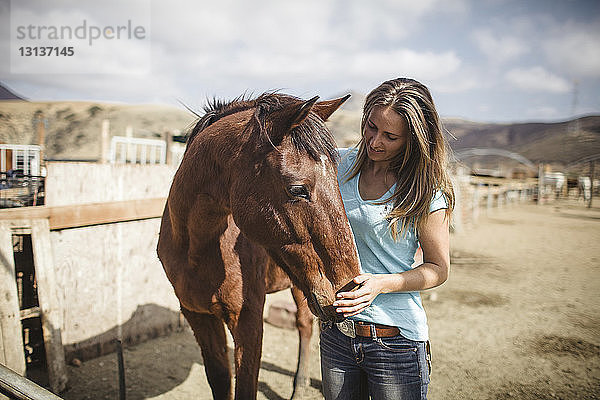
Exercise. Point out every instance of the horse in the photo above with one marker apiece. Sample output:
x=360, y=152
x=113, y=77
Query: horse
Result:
x=253, y=208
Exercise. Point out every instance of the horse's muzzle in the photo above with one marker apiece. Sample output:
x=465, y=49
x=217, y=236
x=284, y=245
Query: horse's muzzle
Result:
x=324, y=313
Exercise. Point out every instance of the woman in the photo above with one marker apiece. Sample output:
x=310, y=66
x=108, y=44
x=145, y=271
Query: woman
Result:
x=397, y=196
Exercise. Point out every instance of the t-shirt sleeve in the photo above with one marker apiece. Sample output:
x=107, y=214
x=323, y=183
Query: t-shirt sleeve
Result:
x=346, y=159
x=343, y=152
x=439, y=201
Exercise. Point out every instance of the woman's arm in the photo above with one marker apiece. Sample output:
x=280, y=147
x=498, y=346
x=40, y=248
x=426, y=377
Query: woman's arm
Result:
x=434, y=237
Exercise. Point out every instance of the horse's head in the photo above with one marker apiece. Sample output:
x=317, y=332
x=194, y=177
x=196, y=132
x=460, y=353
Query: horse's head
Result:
x=286, y=197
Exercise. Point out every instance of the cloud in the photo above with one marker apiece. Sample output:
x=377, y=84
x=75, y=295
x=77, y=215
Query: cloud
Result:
x=355, y=69
x=537, y=79
x=498, y=49
x=97, y=43
x=545, y=112
x=300, y=43
x=404, y=62
x=228, y=46
x=574, y=48
x=229, y=25
x=458, y=84
x=464, y=51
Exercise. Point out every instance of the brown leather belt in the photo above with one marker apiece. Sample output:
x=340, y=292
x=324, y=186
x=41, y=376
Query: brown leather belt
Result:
x=364, y=329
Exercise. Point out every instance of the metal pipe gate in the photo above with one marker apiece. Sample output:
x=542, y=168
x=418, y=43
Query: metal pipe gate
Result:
x=18, y=387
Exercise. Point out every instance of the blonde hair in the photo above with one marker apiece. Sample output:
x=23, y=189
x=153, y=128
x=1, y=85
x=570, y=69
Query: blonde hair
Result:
x=421, y=169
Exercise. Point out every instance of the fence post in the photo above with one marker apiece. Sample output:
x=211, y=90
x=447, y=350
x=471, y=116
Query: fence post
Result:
x=11, y=339
x=130, y=148
x=41, y=134
x=591, y=183
x=475, y=204
x=540, y=183
x=168, y=147
x=105, y=137
x=50, y=304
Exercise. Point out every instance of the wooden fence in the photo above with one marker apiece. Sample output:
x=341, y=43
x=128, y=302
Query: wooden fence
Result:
x=478, y=194
x=97, y=274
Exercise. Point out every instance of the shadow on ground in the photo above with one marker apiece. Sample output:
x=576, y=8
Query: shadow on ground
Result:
x=157, y=367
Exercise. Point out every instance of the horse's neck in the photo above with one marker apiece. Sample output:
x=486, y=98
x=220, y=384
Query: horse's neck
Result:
x=199, y=197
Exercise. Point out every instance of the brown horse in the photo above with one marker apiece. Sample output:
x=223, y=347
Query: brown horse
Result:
x=254, y=205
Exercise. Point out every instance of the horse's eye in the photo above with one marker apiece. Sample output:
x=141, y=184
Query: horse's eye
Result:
x=298, y=192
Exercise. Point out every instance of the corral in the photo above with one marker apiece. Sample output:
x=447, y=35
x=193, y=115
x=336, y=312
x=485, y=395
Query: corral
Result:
x=92, y=257
x=516, y=320
x=87, y=271
x=81, y=271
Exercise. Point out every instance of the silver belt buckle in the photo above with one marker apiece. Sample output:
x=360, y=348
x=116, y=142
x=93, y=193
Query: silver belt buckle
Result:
x=347, y=328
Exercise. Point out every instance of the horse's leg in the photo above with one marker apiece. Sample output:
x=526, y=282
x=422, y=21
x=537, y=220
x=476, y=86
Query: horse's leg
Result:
x=210, y=335
x=304, y=323
x=247, y=332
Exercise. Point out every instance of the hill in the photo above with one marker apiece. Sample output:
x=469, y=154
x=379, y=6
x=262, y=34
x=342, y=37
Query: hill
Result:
x=560, y=142
x=7, y=94
x=73, y=129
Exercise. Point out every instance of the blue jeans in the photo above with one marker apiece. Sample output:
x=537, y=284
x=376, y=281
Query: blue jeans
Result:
x=383, y=368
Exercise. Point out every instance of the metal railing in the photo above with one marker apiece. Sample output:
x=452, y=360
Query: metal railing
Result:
x=20, y=157
x=125, y=149
x=21, y=190
x=18, y=387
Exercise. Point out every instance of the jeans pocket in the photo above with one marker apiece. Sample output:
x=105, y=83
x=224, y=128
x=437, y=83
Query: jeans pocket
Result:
x=398, y=344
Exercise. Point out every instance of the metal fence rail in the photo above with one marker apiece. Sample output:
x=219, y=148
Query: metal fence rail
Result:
x=20, y=157
x=17, y=387
x=21, y=190
x=132, y=150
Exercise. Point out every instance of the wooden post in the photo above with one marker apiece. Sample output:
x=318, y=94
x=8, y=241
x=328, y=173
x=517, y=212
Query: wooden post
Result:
x=11, y=340
x=168, y=147
x=50, y=304
x=475, y=209
x=105, y=141
x=591, y=183
x=540, y=183
x=129, y=154
x=41, y=133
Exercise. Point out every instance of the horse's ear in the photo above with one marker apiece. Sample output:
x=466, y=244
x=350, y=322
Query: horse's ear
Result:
x=291, y=116
x=324, y=109
x=302, y=111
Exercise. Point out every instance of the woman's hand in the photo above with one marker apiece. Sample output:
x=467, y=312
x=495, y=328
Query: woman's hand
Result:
x=355, y=301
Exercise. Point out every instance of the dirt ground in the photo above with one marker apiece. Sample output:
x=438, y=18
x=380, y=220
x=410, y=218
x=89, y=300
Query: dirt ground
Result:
x=518, y=319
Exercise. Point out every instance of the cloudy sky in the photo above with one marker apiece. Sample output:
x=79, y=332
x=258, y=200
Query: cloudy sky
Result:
x=484, y=60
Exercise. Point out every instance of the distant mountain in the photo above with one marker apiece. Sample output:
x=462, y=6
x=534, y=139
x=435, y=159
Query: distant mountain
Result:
x=354, y=103
x=73, y=129
x=7, y=94
x=560, y=142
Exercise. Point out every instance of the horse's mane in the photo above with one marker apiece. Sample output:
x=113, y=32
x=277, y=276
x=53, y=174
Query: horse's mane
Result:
x=311, y=136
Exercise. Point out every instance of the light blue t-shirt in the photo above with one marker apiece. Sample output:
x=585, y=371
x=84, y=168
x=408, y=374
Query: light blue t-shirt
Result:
x=379, y=253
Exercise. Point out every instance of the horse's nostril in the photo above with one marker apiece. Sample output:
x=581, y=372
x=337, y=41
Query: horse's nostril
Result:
x=312, y=300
